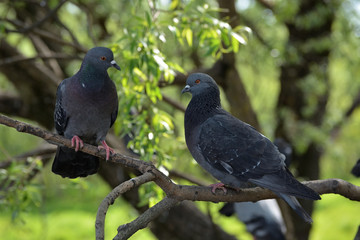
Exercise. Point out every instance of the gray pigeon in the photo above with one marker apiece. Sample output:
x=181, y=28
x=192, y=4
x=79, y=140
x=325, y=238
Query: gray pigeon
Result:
x=263, y=219
x=233, y=151
x=86, y=107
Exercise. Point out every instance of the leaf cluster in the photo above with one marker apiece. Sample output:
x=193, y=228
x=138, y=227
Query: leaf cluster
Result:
x=147, y=65
x=17, y=193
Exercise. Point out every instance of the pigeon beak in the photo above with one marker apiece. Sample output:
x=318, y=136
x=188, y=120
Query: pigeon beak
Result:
x=186, y=89
x=114, y=64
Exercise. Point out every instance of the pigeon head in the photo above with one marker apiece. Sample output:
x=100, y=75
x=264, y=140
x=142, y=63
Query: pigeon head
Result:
x=200, y=83
x=100, y=58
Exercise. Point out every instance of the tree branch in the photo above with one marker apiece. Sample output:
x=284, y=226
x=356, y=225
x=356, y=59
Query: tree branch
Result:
x=176, y=193
x=111, y=197
x=182, y=192
x=21, y=58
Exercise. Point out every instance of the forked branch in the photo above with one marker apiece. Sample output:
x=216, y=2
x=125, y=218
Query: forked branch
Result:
x=175, y=193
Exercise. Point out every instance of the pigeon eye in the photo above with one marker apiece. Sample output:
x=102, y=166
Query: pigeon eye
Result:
x=103, y=58
x=197, y=81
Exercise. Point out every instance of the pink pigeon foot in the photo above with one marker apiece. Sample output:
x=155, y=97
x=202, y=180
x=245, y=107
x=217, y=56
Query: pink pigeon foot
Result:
x=107, y=149
x=217, y=186
x=77, y=143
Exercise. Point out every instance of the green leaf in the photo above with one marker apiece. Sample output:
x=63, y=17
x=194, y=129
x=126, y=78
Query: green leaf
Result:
x=234, y=44
x=138, y=72
x=174, y=4
x=188, y=34
x=148, y=19
x=225, y=38
x=239, y=38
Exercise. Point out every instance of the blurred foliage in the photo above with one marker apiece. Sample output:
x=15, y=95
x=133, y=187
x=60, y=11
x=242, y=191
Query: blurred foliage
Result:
x=17, y=193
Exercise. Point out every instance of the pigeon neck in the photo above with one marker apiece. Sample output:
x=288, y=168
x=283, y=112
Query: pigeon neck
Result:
x=91, y=77
x=203, y=105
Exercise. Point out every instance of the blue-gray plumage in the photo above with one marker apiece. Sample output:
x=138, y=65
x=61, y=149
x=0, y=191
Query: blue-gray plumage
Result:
x=356, y=169
x=263, y=219
x=86, y=107
x=233, y=151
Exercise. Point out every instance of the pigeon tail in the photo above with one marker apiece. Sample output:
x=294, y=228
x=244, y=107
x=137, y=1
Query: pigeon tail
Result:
x=284, y=182
x=295, y=205
x=71, y=164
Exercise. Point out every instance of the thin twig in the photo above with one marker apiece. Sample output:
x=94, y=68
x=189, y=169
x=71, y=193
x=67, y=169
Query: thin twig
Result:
x=173, y=103
x=49, y=15
x=44, y=34
x=127, y=230
x=336, y=128
x=154, y=11
x=43, y=152
x=73, y=38
x=89, y=22
x=266, y=4
x=22, y=58
x=187, y=177
x=112, y=196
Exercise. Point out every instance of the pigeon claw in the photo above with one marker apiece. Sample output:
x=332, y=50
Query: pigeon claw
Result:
x=220, y=186
x=107, y=149
x=77, y=143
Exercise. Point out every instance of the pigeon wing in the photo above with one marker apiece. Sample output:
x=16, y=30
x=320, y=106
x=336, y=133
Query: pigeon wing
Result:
x=234, y=147
x=60, y=112
x=114, y=112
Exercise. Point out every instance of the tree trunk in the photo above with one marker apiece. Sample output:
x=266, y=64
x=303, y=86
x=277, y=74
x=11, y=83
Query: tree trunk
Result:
x=304, y=63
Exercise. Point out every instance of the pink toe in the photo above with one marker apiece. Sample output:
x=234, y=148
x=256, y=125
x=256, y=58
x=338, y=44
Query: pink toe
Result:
x=218, y=186
x=107, y=149
x=77, y=143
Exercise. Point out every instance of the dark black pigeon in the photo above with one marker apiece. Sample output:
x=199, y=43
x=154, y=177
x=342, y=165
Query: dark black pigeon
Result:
x=86, y=107
x=356, y=169
x=233, y=151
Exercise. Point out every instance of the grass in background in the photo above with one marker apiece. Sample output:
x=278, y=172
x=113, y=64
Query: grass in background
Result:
x=63, y=215
x=336, y=217
x=68, y=211
x=13, y=142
